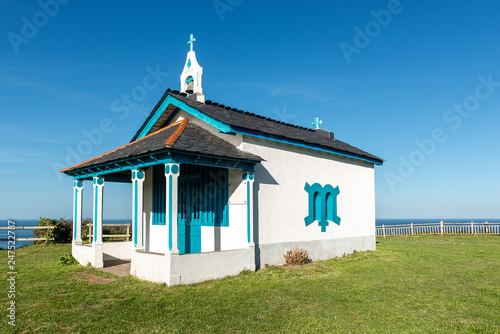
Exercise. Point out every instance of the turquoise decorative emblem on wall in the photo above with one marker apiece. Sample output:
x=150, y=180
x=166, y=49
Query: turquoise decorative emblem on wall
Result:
x=322, y=205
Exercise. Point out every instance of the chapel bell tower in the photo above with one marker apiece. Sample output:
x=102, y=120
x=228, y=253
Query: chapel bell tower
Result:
x=192, y=74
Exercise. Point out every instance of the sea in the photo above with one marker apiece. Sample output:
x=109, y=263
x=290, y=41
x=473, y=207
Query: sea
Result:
x=26, y=233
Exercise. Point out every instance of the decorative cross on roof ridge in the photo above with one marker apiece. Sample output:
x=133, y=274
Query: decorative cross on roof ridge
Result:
x=317, y=122
x=191, y=41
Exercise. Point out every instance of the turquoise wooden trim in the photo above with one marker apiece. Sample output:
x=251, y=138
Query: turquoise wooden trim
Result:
x=135, y=213
x=225, y=198
x=159, y=199
x=96, y=196
x=322, y=205
x=132, y=163
x=222, y=127
x=170, y=212
x=211, y=207
x=163, y=157
x=293, y=142
x=76, y=213
x=317, y=206
x=202, y=201
x=155, y=117
x=170, y=100
x=248, y=211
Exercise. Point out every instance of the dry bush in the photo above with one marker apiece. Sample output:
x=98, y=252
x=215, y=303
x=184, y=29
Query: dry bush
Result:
x=297, y=256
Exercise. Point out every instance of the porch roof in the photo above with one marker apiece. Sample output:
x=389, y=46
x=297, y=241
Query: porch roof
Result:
x=175, y=142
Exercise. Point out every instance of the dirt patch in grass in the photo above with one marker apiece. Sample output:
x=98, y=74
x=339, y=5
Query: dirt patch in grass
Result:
x=89, y=278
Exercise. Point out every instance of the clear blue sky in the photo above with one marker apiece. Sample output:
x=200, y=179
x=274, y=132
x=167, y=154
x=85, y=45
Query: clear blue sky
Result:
x=424, y=72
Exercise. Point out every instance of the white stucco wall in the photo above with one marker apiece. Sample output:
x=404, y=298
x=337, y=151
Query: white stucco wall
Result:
x=82, y=253
x=235, y=235
x=283, y=202
x=118, y=250
x=155, y=235
x=149, y=266
x=198, y=267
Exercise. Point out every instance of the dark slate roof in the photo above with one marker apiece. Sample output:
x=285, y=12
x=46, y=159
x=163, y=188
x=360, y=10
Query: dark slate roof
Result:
x=197, y=140
x=186, y=138
x=243, y=120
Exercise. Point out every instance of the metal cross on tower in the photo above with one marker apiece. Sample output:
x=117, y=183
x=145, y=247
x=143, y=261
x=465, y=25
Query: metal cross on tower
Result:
x=191, y=41
x=317, y=122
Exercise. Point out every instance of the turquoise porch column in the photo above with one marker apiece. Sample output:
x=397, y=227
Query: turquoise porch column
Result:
x=138, y=178
x=98, y=192
x=249, y=179
x=172, y=172
x=77, y=211
x=97, y=245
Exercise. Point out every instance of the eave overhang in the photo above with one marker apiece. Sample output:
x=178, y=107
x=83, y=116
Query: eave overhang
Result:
x=154, y=158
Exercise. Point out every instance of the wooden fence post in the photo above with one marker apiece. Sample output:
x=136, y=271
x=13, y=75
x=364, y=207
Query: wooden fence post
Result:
x=128, y=231
x=383, y=229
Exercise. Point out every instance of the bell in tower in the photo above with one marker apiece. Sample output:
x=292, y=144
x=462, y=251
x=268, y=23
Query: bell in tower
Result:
x=189, y=85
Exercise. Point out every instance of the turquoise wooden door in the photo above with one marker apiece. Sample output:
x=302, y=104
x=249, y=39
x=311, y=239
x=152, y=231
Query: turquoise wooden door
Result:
x=203, y=201
x=189, y=217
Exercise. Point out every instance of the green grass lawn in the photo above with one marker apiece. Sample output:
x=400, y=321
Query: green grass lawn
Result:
x=409, y=285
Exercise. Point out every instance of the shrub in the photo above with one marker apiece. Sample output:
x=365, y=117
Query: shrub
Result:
x=297, y=256
x=60, y=233
x=65, y=233
x=68, y=259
